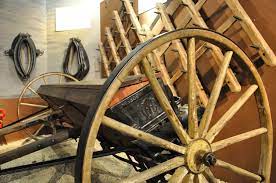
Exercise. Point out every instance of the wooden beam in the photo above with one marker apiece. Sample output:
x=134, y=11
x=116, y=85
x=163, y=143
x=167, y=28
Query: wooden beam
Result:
x=165, y=104
x=162, y=49
x=156, y=170
x=104, y=59
x=231, y=80
x=226, y=25
x=192, y=96
x=170, y=9
x=143, y=36
x=170, y=27
x=177, y=75
x=222, y=122
x=178, y=175
x=140, y=135
x=182, y=53
x=208, y=113
x=112, y=45
x=120, y=42
x=124, y=39
x=237, y=138
x=221, y=29
x=184, y=18
x=253, y=33
x=239, y=170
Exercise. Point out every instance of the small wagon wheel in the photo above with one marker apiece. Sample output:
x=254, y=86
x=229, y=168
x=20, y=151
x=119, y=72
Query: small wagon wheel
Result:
x=196, y=150
x=46, y=78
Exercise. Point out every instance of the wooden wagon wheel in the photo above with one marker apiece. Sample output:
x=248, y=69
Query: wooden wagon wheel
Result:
x=46, y=78
x=197, y=149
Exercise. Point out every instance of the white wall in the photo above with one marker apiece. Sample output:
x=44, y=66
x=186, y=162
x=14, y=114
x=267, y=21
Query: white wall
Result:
x=58, y=41
x=37, y=17
x=17, y=16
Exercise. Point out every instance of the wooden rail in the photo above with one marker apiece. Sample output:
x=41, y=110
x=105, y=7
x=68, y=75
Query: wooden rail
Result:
x=182, y=53
x=231, y=80
x=124, y=39
x=253, y=33
x=143, y=34
x=112, y=45
x=238, y=15
x=104, y=59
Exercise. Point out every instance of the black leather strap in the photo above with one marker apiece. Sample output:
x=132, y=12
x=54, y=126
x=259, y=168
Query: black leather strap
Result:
x=76, y=47
x=15, y=53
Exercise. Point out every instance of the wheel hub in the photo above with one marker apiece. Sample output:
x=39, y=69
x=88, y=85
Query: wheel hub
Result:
x=199, y=156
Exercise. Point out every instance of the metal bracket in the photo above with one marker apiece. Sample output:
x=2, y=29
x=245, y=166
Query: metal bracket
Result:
x=39, y=52
x=8, y=52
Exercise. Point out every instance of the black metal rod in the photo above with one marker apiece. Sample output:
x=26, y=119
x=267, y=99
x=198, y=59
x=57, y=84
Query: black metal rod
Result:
x=70, y=159
x=28, y=122
x=22, y=119
x=35, y=146
x=37, y=165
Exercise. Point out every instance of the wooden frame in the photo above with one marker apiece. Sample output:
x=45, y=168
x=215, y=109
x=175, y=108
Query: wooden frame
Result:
x=239, y=15
x=253, y=33
x=112, y=46
x=143, y=34
x=193, y=15
x=124, y=39
x=105, y=60
x=182, y=53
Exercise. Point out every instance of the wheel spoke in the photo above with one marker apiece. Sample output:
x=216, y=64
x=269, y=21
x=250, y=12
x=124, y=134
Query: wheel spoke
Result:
x=238, y=138
x=44, y=80
x=210, y=176
x=157, y=170
x=178, y=175
x=215, y=130
x=33, y=91
x=238, y=170
x=138, y=134
x=189, y=178
x=38, y=130
x=207, y=116
x=33, y=105
x=165, y=104
x=192, y=114
x=201, y=179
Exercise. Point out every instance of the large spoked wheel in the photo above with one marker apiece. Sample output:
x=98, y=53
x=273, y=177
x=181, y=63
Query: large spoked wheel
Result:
x=36, y=103
x=196, y=152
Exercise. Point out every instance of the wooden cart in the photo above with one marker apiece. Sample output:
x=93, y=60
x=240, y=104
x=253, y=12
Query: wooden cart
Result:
x=163, y=143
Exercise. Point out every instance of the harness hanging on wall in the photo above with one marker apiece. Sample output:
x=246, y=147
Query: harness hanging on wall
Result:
x=21, y=40
x=75, y=47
